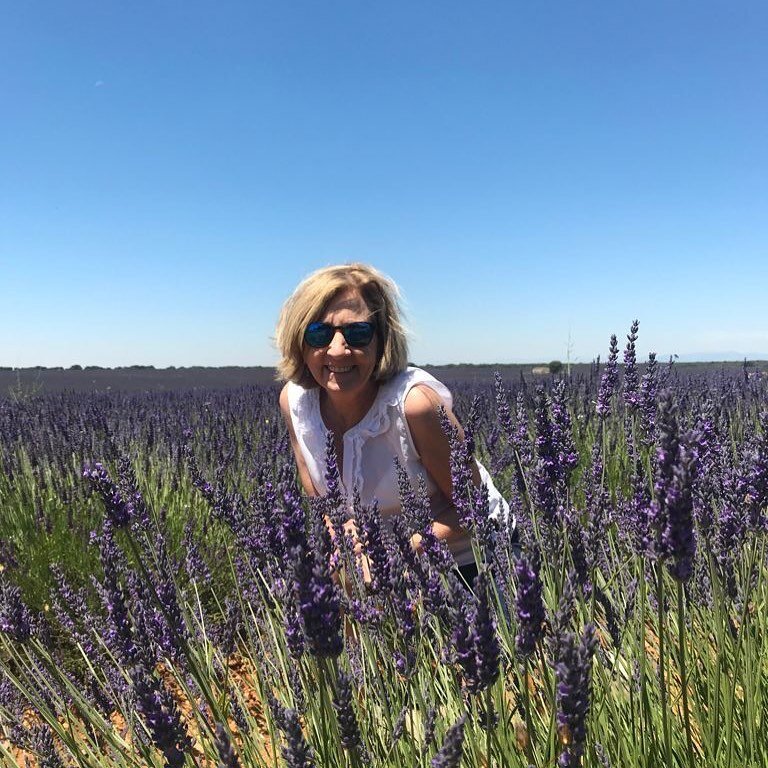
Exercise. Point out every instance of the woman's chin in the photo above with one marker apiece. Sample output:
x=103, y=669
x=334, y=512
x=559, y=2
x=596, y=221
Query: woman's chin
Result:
x=341, y=382
x=347, y=383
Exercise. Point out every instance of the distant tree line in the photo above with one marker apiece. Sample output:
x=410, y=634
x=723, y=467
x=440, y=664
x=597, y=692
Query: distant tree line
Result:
x=77, y=367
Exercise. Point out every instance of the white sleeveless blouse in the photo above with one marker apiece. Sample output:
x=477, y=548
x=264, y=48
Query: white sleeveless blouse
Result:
x=372, y=445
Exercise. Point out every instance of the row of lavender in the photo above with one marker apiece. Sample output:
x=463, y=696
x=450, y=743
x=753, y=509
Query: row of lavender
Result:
x=179, y=603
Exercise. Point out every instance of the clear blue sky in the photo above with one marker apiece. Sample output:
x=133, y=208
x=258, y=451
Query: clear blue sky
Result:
x=533, y=175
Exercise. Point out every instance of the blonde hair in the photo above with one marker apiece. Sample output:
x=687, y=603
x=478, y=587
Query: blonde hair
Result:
x=306, y=305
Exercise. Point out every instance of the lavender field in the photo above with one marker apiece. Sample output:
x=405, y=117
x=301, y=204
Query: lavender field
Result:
x=168, y=598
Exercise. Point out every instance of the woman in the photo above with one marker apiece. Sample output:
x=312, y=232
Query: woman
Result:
x=344, y=358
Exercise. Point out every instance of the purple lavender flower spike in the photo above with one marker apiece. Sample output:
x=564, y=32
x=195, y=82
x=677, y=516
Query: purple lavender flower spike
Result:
x=118, y=634
x=573, y=674
x=470, y=424
x=671, y=534
x=161, y=715
x=728, y=539
x=227, y=755
x=475, y=643
x=545, y=448
x=461, y=469
x=318, y=602
x=45, y=748
x=630, y=384
x=195, y=564
x=15, y=618
x=332, y=477
x=405, y=553
x=373, y=540
x=521, y=438
x=293, y=529
x=487, y=648
x=502, y=406
x=562, y=619
x=296, y=752
x=576, y=541
x=402, y=602
x=118, y=509
x=436, y=550
x=194, y=470
x=349, y=729
x=412, y=511
x=268, y=509
x=449, y=755
x=237, y=712
x=11, y=701
x=547, y=481
x=227, y=633
x=679, y=537
x=530, y=607
x=398, y=729
x=649, y=390
x=71, y=611
x=608, y=381
x=294, y=631
x=519, y=446
x=129, y=489
x=435, y=596
x=751, y=484
x=602, y=756
x=429, y=729
x=563, y=443
x=461, y=614
x=165, y=601
x=707, y=488
x=68, y=603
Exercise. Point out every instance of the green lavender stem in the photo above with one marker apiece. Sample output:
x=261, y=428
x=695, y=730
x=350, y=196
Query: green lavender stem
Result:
x=683, y=671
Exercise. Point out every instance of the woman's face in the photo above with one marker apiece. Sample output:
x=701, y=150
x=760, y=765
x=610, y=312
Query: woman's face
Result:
x=339, y=368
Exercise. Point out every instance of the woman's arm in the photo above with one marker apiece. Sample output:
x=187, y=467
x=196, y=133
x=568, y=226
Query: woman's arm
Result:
x=304, y=476
x=422, y=412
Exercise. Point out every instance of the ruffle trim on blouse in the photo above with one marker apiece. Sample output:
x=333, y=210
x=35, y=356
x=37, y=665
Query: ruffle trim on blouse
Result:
x=311, y=430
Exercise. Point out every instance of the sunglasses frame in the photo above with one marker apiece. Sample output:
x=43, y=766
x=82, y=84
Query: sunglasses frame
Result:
x=316, y=326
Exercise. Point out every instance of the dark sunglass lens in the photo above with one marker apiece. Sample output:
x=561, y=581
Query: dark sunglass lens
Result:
x=318, y=334
x=359, y=334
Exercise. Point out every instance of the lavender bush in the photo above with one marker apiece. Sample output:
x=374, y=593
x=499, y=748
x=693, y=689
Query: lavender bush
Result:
x=168, y=598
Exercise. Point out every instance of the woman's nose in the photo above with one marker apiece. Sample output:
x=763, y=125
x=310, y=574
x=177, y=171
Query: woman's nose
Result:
x=338, y=345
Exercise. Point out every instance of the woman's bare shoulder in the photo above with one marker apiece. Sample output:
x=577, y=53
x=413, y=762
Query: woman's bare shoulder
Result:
x=422, y=412
x=421, y=400
x=285, y=406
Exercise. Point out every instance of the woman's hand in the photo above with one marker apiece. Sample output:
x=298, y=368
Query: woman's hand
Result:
x=361, y=559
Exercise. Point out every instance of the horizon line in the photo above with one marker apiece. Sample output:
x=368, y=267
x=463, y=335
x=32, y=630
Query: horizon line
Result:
x=676, y=359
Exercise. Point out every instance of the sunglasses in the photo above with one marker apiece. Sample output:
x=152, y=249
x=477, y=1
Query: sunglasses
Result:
x=355, y=334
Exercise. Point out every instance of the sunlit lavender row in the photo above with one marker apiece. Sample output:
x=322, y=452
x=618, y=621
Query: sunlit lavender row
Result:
x=169, y=598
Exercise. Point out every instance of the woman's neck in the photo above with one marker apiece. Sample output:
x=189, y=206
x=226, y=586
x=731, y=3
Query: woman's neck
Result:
x=341, y=411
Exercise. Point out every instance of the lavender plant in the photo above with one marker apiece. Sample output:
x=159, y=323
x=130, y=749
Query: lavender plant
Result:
x=179, y=603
